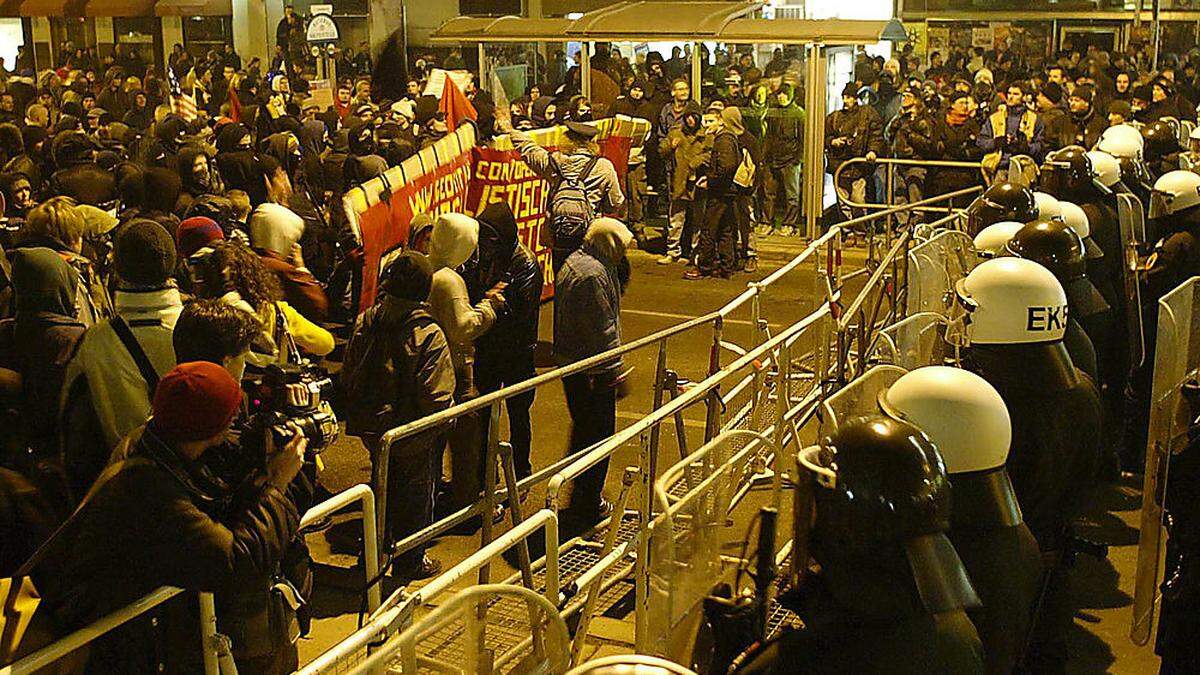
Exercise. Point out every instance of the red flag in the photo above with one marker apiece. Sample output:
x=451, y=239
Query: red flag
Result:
x=456, y=105
x=235, y=105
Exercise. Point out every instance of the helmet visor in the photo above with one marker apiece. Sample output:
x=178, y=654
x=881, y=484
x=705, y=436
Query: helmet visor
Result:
x=1160, y=204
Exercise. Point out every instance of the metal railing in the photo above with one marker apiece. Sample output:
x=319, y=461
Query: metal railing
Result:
x=397, y=611
x=762, y=372
x=216, y=648
x=890, y=164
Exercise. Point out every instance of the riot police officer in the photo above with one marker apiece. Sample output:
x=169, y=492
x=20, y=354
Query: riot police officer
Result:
x=967, y=420
x=991, y=240
x=1001, y=201
x=1059, y=249
x=1013, y=327
x=1161, y=149
x=891, y=592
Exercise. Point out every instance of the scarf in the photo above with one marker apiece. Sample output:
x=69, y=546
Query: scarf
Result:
x=956, y=119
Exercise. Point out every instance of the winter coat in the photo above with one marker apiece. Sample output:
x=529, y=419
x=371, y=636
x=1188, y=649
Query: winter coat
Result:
x=912, y=137
x=955, y=142
x=449, y=299
x=587, y=306
x=104, y=395
x=515, y=335
x=1059, y=128
x=864, y=129
x=197, y=539
x=785, y=129
x=686, y=159
x=602, y=185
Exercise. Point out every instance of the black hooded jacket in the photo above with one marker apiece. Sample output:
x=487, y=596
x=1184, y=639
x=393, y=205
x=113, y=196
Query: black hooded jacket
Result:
x=515, y=333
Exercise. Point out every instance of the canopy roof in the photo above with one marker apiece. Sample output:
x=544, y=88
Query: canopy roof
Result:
x=647, y=20
x=193, y=8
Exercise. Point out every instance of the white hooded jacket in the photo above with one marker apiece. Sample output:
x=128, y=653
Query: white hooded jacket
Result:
x=455, y=237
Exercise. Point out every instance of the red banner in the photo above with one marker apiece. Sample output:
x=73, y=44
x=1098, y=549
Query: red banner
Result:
x=455, y=176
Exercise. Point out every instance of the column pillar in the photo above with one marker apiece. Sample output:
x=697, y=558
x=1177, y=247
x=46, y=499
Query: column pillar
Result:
x=385, y=17
x=250, y=31
x=172, y=34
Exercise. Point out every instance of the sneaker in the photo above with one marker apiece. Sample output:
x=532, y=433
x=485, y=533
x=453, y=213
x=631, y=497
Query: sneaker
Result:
x=429, y=567
x=693, y=275
x=762, y=230
x=668, y=259
x=751, y=265
x=787, y=231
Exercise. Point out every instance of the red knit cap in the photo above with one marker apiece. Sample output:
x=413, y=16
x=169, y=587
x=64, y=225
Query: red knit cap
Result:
x=195, y=401
x=195, y=233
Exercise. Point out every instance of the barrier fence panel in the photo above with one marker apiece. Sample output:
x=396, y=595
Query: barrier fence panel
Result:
x=397, y=611
x=686, y=538
x=482, y=629
x=1174, y=407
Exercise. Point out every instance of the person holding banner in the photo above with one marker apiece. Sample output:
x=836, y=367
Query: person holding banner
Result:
x=577, y=160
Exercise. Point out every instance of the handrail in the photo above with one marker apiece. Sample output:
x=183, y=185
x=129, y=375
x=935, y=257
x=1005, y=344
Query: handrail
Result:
x=358, y=493
x=81, y=638
x=892, y=162
x=689, y=397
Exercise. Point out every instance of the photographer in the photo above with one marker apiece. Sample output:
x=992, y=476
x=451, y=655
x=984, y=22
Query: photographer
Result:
x=205, y=535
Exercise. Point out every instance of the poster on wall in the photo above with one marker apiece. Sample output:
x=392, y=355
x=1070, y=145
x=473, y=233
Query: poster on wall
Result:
x=982, y=37
x=454, y=175
x=917, y=37
x=1001, y=34
x=938, y=39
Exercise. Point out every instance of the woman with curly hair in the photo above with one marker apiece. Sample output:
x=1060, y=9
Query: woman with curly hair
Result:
x=236, y=274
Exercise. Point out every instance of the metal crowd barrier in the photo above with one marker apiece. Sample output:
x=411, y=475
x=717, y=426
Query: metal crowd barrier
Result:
x=216, y=648
x=800, y=358
x=890, y=164
x=397, y=612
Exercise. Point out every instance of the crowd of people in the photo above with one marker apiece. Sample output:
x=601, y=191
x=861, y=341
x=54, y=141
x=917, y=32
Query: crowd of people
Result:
x=161, y=256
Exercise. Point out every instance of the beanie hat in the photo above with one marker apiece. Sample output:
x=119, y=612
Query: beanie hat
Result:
x=426, y=109
x=1052, y=91
x=1119, y=107
x=194, y=401
x=1142, y=92
x=850, y=90
x=144, y=254
x=984, y=75
x=275, y=228
x=195, y=233
x=1085, y=92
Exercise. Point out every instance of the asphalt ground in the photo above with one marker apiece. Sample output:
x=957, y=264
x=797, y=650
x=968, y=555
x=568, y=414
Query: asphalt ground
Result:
x=658, y=298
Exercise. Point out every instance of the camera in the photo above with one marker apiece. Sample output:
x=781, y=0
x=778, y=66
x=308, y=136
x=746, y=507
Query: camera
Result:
x=272, y=410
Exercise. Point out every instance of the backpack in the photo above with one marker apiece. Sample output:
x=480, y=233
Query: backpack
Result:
x=746, y=171
x=367, y=380
x=570, y=212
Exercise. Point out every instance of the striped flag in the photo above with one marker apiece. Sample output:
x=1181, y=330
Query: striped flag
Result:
x=181, y=103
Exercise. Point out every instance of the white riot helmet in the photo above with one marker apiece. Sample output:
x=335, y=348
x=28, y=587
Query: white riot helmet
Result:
x=1011, y=301
x=959, y=411
x=991, y=240
x=1173, y=192
x=1076, y=219
x=1047, y=206
x=1108, y=168
x=1122, y=141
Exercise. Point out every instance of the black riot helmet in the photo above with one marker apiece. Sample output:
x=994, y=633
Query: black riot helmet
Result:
x=1160, y=140
x=1003, y=201
x=881, y=493
x=1068, y=174
x=1053, y=245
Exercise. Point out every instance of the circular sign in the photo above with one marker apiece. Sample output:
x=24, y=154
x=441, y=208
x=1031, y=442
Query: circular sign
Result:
x=322, y=28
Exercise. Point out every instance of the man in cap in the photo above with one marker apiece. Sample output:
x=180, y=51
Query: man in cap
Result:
x=206, y=534
x=1059, y=132
x=109, y=381
x=1087, y=123
x=855, y=131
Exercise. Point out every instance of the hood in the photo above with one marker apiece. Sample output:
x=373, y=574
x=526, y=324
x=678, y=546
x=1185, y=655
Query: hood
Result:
x=498, y=217
x=312, y=137
x=455, y=237
x=44, y=282
x=275, y=228
x=609, y=238
x=537, y=112
x=230, y=136
x=732, y=119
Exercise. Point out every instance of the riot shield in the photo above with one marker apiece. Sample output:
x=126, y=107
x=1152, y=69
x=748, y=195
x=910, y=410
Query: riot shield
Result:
x=919, y=340
x=858, y=398
x=934, y=267
x=1186, y=127
x=1132, y=219
x=1176, y=359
